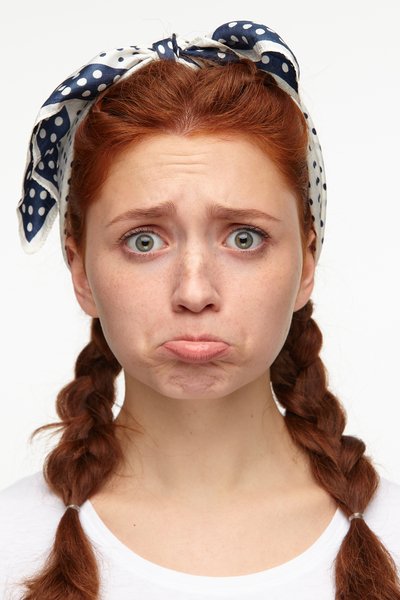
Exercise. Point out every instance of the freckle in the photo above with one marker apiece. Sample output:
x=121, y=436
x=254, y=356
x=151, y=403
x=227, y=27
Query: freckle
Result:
x=252, y=416
x=134, y=524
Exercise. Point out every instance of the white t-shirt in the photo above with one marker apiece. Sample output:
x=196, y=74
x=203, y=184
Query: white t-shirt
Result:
x=30, y=513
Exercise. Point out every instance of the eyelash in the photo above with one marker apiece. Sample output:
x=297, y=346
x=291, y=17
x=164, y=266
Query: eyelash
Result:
x=264, y=235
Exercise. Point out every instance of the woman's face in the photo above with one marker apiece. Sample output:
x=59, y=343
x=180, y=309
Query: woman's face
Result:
x=200, y=267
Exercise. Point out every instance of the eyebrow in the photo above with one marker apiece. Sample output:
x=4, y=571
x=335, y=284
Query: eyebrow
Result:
x=168, y=209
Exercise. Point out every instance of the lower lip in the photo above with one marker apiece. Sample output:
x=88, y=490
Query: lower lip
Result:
x=196, y=351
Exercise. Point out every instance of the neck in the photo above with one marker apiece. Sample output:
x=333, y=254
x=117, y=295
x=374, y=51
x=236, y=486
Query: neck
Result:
x=208, y=448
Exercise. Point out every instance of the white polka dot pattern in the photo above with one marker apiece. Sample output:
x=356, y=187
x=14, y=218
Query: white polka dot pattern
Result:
x=50, y=152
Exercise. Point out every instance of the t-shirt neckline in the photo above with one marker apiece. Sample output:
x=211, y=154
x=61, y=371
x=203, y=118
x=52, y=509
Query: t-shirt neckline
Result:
x=319, y=552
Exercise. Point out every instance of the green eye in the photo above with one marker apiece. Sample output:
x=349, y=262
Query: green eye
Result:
x=244, y=237
x=141, y=241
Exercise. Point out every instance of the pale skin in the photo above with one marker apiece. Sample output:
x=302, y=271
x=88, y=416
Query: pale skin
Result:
x=213, y=485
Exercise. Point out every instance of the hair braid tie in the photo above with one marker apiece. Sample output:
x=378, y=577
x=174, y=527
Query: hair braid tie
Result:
x=356, y=515
x=75, y=506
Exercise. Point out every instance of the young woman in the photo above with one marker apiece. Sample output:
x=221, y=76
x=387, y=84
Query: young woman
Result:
x=189, y=183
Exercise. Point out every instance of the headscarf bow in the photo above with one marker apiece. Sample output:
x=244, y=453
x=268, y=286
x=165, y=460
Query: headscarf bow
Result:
x=50, y=152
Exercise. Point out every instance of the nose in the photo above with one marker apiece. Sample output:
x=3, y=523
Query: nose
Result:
x=195, y=282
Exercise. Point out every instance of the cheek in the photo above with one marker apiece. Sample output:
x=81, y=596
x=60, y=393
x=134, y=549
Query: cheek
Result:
x=268, y=311
x=128, y=309
x=122, y=292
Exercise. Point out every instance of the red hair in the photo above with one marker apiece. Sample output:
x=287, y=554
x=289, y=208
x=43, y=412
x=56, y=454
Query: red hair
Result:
x=235, y=98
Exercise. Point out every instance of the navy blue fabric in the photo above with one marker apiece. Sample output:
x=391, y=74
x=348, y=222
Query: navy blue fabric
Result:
x=85, y=83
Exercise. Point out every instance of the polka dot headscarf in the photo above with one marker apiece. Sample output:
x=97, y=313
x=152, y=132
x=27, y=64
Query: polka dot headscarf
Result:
x=50, y=153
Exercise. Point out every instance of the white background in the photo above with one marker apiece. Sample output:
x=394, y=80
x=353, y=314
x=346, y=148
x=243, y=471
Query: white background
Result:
x=349, y=55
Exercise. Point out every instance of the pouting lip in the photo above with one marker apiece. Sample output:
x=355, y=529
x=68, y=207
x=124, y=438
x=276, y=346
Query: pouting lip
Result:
x=204, y=337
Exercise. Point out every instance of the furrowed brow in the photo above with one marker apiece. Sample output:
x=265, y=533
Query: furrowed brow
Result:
x=219, y=211
x=216, y=211
x=167, y=209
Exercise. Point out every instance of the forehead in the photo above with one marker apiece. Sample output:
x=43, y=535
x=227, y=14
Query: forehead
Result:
x=191, y=154
x=193, y=172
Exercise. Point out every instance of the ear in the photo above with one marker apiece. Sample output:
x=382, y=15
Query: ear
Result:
x=80, y=281
x=307, y=277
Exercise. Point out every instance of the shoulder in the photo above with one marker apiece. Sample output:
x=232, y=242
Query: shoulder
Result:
x=28, y=497
x=29, y=516
x=383, y=515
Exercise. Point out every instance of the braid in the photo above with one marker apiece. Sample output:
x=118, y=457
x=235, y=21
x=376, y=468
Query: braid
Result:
x=85, y=457
x=315, y=420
